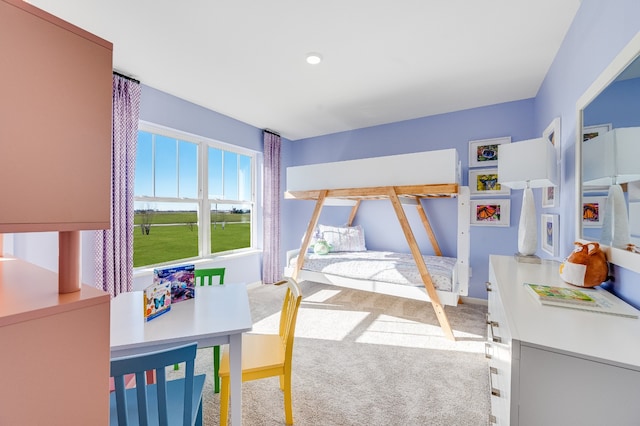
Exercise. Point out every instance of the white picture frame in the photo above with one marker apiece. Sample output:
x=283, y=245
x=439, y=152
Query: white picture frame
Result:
x=491, y=212
x=485, y=182
x=552, y=134
x=550, y=230
x=549, y=196
x=593, y=211
x=590, y=132
x=484, y=152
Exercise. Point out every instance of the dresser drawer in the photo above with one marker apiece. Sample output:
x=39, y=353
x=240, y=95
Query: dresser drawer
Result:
x=498, y=352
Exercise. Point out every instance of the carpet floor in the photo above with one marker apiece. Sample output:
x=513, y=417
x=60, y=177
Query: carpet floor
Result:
x=361, y=358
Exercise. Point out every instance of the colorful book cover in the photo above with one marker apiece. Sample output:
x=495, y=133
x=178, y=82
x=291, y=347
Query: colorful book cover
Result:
x=561, y=294
x=181, y=279
x=157, y=300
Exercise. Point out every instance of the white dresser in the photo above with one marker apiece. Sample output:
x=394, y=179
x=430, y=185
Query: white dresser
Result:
x=553, y=365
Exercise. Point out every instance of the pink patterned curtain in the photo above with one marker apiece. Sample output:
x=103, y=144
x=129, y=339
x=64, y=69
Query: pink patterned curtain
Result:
x=271, y=270
x=114, y=247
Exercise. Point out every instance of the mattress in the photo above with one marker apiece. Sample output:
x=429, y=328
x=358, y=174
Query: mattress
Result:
x=382, y=266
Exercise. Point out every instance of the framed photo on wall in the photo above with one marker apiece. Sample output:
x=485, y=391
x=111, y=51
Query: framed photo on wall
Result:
x=485, y=182
x=590, y=132
x=549, y=196
x=491, y=212
x=593, y=211
x=552, y=134
x=485, y=152
x=549, y=226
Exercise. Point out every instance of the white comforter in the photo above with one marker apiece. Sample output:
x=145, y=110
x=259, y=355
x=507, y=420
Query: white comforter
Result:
x=383, y=266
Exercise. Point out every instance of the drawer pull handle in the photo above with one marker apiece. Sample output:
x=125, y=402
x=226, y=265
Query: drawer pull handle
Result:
x=487, y=351
x=494, y=338
x=492, y=371
x=487, y=285
x=489, y=322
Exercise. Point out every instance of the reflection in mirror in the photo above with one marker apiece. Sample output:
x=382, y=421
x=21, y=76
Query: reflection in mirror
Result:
x=610, y=161
x=608, y=150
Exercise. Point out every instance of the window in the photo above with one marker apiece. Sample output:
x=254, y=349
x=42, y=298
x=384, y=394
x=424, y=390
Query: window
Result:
x=174, y=220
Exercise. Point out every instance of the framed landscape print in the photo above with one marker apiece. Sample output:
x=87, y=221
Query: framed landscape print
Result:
x=491, y=212
x=485, y=182
x=549, y=227
x=485, y=152
x=593, y=211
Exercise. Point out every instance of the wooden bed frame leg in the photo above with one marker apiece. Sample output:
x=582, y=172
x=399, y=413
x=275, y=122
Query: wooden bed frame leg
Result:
x=427, y=227
x=307, y=236
x=352, y=215
x=422, y=267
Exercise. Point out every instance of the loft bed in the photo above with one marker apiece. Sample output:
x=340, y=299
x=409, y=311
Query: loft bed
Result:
x=402, y=179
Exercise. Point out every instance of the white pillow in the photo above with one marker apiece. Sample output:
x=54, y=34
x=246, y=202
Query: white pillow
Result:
x=349, y=238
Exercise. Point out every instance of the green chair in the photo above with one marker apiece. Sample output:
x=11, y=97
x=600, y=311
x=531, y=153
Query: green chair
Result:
x=206, y=277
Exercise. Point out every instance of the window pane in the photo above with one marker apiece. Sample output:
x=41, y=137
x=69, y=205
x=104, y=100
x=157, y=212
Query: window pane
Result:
x=144, y=165
x=188, y=163
x=230, y=227
x=166, y=183
x=168, y=173
x=230, y=175
x=164, y=232
x=215, y=173
x=245, y=178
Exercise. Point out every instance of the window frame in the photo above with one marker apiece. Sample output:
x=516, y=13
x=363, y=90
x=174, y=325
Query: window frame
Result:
x=203, y=201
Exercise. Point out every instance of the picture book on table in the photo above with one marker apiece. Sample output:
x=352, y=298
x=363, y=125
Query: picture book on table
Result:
x=593, y=300
x=560, y=294
x=157, y=300
x=180, y=278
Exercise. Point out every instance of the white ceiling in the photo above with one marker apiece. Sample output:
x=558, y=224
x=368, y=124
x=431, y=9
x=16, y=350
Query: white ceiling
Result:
x=384, y=60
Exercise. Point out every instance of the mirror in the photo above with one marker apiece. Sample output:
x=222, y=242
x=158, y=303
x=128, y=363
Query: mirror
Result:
x=607, y=114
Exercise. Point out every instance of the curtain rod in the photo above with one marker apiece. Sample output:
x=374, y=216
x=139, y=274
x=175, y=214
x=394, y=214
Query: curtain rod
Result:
x=127, y=77
x=272, y=132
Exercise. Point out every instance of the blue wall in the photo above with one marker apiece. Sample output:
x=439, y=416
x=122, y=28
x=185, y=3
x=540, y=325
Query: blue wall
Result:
x=618, y=105
x=382, y=230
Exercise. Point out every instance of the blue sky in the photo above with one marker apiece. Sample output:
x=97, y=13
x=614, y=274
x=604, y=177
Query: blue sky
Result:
x=176, y=171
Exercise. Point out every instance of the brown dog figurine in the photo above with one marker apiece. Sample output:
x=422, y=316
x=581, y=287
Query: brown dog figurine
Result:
x=586, y=266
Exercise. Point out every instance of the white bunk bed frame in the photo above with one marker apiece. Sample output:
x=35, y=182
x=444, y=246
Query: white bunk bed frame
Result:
x=402, y=179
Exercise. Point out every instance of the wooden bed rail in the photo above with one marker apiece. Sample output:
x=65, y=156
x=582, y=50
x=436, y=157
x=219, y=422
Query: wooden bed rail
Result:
x=378, y=192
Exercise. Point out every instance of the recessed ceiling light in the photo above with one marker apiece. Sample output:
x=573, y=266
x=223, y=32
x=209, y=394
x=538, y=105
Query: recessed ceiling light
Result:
x=314, y=58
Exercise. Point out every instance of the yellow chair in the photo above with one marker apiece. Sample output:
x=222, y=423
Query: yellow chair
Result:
x=267, y=355
x=206, y=277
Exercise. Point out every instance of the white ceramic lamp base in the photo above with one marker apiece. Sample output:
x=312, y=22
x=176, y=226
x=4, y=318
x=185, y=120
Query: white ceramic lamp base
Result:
x=528, y=230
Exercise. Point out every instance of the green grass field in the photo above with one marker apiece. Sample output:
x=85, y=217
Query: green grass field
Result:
x=177, y=236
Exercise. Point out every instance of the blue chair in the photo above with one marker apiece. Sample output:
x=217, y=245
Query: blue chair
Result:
x=206, y=277
x=167, y=402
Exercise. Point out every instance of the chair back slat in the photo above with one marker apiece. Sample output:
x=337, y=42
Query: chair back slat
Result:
x=161, y=386
x=190, y=367
x=141, y=393
x=288, y=316
x=121, y=402
x=205, y=276
x=139, y=365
